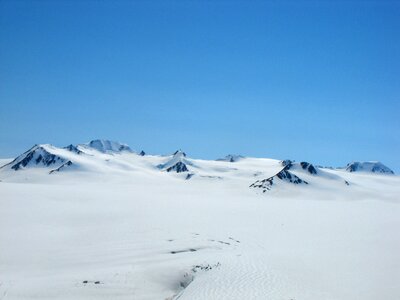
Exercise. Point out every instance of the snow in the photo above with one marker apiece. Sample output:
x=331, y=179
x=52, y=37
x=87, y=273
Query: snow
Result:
x=368, y=166
x=107, y=146
x=177, y=163
x=231, y=158
x=38, y=155
x=113, y=225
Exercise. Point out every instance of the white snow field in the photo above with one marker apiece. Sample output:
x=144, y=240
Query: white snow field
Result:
x=113, y=224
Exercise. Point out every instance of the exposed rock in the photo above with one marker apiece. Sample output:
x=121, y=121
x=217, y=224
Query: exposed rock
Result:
x=64, y=165
x=231, y=158
x=36, y=156
x=73, y=148
x=179, y=167
x=368, y=166
x=108, y=146
x=176, y=164
x=309, y=167
x=283, y=175
x=179, y=152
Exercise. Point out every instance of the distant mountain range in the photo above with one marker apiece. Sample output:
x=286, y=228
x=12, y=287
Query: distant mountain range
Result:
x=104, y=156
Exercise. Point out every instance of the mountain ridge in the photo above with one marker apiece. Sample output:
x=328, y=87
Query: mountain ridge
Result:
x=103, y=157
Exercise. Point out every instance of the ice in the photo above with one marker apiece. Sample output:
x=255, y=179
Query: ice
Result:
x=113, y=225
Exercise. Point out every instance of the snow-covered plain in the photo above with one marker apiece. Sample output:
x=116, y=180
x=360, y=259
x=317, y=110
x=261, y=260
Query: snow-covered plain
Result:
x=117, y=225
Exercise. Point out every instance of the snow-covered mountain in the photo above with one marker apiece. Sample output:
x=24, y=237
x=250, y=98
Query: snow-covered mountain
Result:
x=107, y=146
x=106, y=156
x=100, y=221
x=38, y=156
x=90, y=157
x=284, y=175
x=177, y=163
x=368, y=166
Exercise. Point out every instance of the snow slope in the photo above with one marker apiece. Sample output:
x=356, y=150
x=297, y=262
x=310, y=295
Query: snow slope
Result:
x=114, y=225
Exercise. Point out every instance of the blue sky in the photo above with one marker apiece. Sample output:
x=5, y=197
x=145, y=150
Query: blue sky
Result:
x=305, y=80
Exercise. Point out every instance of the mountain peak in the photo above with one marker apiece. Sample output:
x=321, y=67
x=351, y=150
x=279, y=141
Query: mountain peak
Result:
x=284, y=176
x=368, y=166
x=179, y=153
x=73, y=148
x=176, y=164
x=105, y=146
x=38, y=155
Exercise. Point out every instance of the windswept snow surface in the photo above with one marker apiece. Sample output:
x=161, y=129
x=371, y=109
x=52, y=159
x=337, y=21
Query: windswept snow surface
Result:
x=116, y=226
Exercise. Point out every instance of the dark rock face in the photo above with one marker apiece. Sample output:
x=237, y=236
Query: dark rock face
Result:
x=264, y=184
x=142, y=153
x=124, y=148
x=179, y=167
x=176, y=164
x=178, y=152
x=64, y=165
x=352, y=167
x=289, y=177
x=283, y=175
x=287, y=163
x=36, y=155
x=73, y=148
x=309, y=167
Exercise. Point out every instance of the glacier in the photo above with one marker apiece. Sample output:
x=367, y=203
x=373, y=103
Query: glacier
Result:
x=102, y=221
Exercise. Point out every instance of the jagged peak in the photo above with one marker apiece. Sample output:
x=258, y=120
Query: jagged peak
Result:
x=179, y=153
x=39, y=154
x=73, y=148
x=178, y=163
x=284, y=175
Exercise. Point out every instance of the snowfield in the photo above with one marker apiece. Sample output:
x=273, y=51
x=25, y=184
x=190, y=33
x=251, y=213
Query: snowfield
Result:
x=117, y=225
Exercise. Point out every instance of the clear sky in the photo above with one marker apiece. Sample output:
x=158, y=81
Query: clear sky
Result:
x=305, y=80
